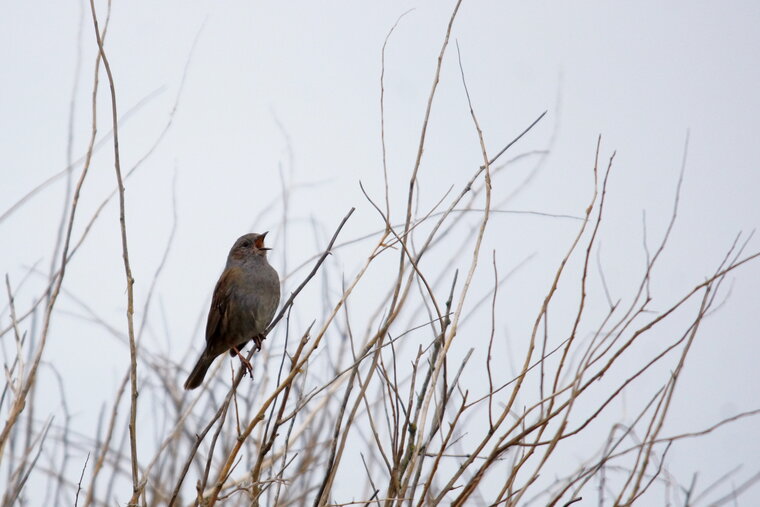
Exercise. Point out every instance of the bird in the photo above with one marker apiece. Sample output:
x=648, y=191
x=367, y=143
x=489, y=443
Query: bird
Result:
x=244, y=302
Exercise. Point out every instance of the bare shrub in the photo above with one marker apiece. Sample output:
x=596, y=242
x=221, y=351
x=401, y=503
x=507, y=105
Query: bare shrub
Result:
x=394, y=394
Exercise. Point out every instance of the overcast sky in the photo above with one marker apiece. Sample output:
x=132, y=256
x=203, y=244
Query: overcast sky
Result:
x=290, y=91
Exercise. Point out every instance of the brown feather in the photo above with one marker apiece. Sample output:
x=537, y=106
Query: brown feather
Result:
x=218, y=315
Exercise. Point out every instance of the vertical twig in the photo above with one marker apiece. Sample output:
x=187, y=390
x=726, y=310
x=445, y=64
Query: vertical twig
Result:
x=136, y=489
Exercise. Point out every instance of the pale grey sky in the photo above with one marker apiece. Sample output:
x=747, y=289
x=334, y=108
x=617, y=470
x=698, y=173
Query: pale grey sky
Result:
x=641, y=74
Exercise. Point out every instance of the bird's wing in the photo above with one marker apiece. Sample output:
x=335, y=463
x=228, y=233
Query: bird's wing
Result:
x=218, y=314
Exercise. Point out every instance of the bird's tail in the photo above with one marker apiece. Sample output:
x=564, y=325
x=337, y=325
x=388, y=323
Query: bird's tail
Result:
x=199, y=371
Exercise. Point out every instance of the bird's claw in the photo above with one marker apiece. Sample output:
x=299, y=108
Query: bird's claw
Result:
x=245, y=362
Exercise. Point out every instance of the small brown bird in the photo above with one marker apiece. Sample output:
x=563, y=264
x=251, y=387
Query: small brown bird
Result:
x=245, y=299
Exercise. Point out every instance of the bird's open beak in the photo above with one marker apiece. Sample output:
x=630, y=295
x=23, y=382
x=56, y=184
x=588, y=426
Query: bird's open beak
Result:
x=260, y=241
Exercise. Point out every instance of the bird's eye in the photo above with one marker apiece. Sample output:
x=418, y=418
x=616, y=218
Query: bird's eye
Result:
x=246, y=244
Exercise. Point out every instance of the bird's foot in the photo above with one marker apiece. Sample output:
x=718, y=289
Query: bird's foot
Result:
x=258, y=340
x=245, y=362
